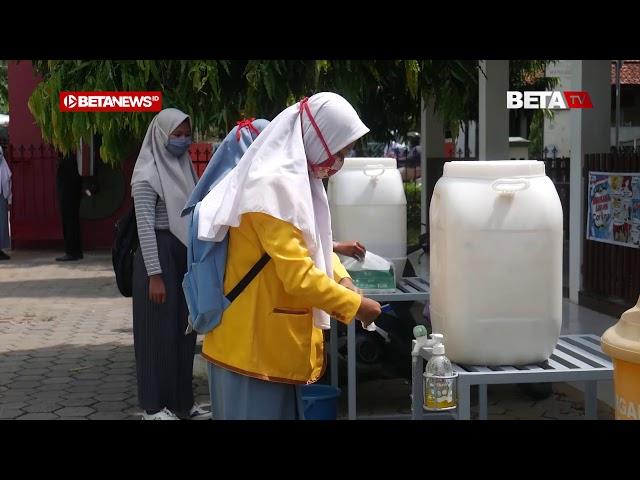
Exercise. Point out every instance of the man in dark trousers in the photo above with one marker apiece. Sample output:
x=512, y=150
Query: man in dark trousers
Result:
x=69, y=188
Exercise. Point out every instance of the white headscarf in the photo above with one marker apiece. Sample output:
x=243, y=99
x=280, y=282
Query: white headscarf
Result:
x=173, y=178
x=273, y=178
x=5, y=177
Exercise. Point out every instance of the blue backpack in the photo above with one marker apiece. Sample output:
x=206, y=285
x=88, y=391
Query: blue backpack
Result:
x=203, y=284
x=204, y=280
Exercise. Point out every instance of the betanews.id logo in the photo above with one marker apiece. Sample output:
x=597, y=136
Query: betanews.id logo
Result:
x=110, y=101
x=551, y=100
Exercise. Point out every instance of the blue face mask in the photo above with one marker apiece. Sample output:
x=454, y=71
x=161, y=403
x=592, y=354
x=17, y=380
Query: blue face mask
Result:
x=178, y=146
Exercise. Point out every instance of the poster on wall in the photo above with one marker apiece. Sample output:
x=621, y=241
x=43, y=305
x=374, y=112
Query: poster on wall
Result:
x=614, y=208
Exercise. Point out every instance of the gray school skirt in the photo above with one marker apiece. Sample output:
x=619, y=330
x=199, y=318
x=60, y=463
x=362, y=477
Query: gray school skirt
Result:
x=164, y=354
x=239, y=397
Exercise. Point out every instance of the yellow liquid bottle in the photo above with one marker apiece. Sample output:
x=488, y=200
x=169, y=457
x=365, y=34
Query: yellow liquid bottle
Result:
x=440, y=382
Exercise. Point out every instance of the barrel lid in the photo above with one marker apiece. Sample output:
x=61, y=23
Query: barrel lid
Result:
x=494, y=169
x=362, y=162
x=622, y=341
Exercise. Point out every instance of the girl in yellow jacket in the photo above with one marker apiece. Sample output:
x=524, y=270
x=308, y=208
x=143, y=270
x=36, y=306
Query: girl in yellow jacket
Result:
x=270, y=338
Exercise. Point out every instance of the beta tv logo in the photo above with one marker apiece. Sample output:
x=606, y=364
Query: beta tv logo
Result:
x=110, y=101
x=70, y=101
x=551, y=100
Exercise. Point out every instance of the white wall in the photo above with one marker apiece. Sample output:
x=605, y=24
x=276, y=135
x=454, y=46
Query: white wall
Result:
x=590, y=133
x=519, y=152
x=557, y=131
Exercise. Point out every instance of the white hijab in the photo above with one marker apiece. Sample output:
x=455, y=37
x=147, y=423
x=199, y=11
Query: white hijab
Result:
x=5, y=178
x=273, y=178
x=173, y=178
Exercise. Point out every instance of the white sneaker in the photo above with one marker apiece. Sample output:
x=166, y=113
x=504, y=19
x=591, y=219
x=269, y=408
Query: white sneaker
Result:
x=199, y=413
x=163, y=414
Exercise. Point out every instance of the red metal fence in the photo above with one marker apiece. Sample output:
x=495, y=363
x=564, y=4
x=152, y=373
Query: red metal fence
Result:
x=34, y=212
x=200, y=155
x=35, y=219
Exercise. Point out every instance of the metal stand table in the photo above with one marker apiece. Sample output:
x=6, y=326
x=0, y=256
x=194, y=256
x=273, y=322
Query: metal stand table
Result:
x=409, y=289
x=575, y=358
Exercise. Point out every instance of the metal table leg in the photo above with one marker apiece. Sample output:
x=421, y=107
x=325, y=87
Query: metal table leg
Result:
x=482, y=401
x=417, y=388
x=464, y=400
x=591, y=400
x=351, y=368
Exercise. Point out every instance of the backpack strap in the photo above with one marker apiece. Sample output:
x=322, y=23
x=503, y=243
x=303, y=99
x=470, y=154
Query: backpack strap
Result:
x=251, y=274
x=197, y=250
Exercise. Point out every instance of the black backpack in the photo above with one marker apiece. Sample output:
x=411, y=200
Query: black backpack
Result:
x=125, y=244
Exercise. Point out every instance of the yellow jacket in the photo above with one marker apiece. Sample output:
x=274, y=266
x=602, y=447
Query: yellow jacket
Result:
x=268, y=332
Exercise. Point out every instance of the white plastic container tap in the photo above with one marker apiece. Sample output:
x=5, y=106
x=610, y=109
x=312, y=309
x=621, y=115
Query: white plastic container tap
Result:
x=423, y=340
x=496, y=262
x=368, y=204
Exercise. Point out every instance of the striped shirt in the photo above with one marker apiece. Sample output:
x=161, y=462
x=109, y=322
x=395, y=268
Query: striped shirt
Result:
x=151, y=215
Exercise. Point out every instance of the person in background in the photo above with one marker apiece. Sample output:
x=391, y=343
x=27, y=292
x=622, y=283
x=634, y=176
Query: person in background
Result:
x=162, y=180
x=5, y=202
x=226, y=156
x=69, y=188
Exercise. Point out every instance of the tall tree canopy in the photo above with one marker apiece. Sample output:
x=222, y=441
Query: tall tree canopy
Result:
x=216, y=93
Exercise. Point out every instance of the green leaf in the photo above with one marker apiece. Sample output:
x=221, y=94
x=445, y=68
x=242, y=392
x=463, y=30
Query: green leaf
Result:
x=386, y=93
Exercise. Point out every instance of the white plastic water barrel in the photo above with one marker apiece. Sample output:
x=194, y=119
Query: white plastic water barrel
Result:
x=368, y=204
x=496, y=262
